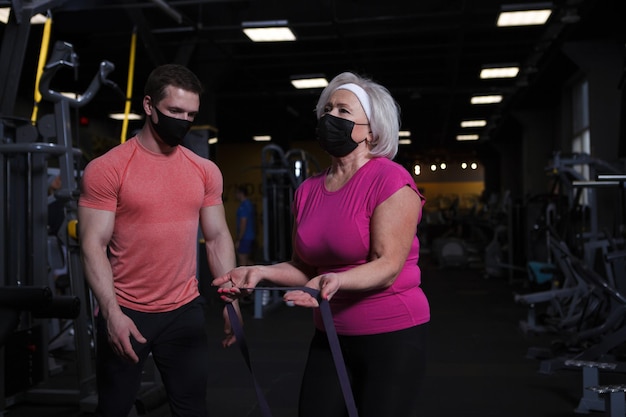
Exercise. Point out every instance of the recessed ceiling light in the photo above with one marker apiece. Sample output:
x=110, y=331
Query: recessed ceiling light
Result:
x=473, y=123
x=489, y=99
x=314, y=82
x=467, y=137
x=523, y=17
x=120, y=116
x=268, y=31
x=499, y=72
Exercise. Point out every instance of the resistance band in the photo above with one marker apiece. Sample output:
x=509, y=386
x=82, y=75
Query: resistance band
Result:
x=333, y=340
x=43, y=55
x=129, y=86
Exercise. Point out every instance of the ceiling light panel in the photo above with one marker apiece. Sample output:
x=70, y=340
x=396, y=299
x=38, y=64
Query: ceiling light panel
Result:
x=467, y=137
x=491, y=99
x=303, y=83
x=473, y=123
x=499, y=72
x=268, y=31
x=523, y=17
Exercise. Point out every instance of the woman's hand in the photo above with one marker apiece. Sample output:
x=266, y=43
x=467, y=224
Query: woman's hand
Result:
x=327, y=285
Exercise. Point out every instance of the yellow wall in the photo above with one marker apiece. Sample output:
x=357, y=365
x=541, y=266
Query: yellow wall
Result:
x=439, y=195
x=240, y=166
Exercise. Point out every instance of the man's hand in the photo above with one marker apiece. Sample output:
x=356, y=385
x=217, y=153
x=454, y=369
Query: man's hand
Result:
x=120, y=328
x=230, y=337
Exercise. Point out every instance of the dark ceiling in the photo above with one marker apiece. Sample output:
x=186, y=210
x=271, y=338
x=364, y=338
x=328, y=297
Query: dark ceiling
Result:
x=427, y=52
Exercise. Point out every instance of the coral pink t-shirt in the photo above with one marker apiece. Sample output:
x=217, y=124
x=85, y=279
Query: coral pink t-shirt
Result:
x=157, y=200
x=333, y=234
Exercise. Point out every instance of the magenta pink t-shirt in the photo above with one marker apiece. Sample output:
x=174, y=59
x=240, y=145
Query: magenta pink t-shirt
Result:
x=157, y=200
x=333, y=234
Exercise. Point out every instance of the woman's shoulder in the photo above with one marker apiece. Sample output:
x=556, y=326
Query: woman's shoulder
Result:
x=388, y=174
x=381, y=164
x=315, y=178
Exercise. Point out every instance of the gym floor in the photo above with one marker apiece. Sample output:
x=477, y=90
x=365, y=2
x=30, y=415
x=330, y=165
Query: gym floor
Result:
x=478, y=359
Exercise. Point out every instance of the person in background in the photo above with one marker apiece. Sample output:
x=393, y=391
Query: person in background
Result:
x=355, y=240
x=246, y=231
x=138, y=216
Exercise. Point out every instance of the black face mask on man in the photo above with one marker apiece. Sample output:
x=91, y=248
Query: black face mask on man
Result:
x=170, y=130
x=335, y=135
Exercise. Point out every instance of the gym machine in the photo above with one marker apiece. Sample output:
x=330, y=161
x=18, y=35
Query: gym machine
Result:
x=282, y=172
x=588, y=325
x=572, y=182
x=24, y=154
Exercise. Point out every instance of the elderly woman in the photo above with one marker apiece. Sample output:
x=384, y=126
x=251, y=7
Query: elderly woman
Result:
x=355, y=241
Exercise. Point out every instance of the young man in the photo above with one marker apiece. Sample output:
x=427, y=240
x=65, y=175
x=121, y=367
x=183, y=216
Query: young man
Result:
x=139, y=211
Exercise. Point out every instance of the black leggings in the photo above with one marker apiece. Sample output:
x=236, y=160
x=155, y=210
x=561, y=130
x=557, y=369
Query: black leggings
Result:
x=385, y=370
x=179, y=346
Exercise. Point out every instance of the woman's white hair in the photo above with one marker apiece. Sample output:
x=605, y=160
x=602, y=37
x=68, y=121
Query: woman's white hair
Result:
x=385, y=112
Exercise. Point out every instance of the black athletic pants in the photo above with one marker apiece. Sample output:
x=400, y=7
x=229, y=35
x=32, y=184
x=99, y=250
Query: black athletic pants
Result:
x=179, y=346
x=385, y=370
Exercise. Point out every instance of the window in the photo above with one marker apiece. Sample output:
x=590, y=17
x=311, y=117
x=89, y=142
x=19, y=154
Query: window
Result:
x=581, y=135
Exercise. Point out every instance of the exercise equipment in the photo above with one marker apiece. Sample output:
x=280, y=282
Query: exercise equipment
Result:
x=329, y=327
x=590, y=399
x=614, y=403
x=563, y=303
x=25, y=152
x=594, y=324
x=129, y=87
x=461, y=245
x=281, y=172
x=43, y=54
x=573, y=177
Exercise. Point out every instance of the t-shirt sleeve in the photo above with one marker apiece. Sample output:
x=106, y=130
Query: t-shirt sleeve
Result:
x=214, y=185
x=389, y=180
x=99, y=186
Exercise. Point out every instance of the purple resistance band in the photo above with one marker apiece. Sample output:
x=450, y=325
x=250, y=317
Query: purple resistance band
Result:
x=333, y=340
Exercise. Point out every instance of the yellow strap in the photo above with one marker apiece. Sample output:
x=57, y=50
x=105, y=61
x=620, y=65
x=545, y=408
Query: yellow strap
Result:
x=72, y=229
x=129, y=87
x=43, y=54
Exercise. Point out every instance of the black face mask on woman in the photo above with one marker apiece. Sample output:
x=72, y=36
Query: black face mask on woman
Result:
x=335, y=135
x=170, y=130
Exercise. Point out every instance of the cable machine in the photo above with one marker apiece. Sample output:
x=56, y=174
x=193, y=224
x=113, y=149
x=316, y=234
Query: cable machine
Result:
x=24, y=154
x=282, y=172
